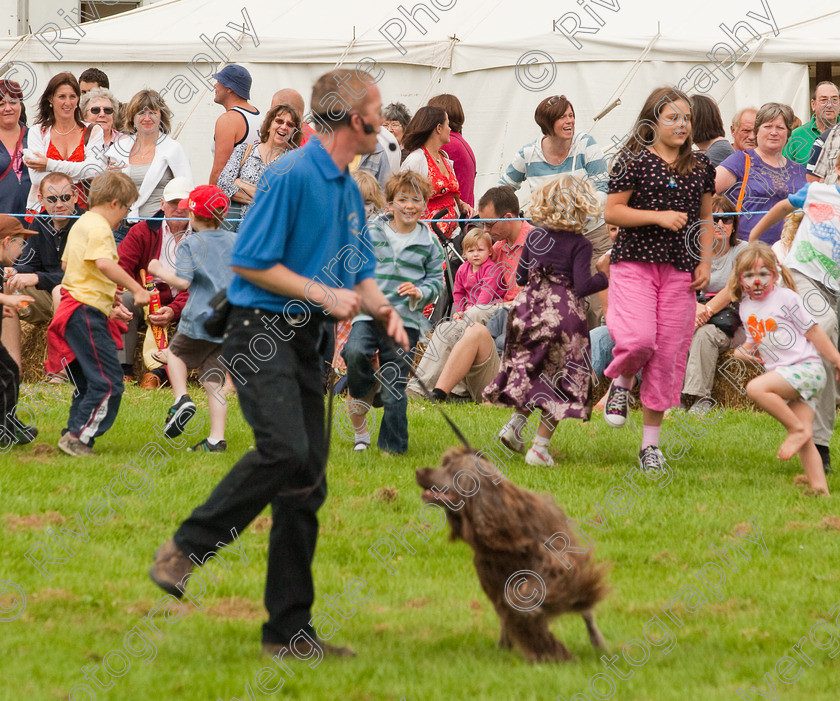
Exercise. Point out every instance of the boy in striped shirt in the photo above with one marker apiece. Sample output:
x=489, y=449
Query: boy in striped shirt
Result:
x=409, y=271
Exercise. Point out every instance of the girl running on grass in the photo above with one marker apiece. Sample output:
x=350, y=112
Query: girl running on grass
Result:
x=660, y=197
x=543, y=365
x=787, y=339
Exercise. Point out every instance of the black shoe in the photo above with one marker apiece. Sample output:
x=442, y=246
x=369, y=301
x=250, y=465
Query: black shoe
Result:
x=25, y=434
x=826, y=458
x=207, y=447
x=179, y=415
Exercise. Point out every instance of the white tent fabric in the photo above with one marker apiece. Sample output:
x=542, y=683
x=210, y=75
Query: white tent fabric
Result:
x=500, y=57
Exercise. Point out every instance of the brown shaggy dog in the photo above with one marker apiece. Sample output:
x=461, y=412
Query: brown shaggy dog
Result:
x=507, y=528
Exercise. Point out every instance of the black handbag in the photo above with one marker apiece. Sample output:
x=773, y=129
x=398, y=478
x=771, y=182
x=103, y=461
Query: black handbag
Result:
x=221, y=307
x=727, y=319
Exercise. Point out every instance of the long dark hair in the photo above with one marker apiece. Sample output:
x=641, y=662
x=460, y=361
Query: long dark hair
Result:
x=645, y=132
x=46, y=116
x=421, y=126
x=706, y=122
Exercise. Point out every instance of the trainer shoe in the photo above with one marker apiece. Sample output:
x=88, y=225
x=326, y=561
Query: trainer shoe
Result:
x=71, y=445
x=170, y=567
x=702, y=407
x=304, y=647
x=826, y=458
x=538, y=458
x=207, y=447
x=615, y=409
x=179, y=415
x=651, y=459
x=361, y=445
x=510, y=439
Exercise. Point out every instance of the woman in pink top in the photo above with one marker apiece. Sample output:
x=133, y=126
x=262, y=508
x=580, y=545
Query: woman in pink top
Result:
x=458, y=149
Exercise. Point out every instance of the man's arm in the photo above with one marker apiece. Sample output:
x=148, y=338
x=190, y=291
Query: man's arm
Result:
x=225, y=135
x=280, y=280
x=376, y=304
x=109, y=268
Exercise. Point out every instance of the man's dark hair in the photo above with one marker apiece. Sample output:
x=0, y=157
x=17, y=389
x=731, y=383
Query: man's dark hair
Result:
x=503, y=199
x=94, y=75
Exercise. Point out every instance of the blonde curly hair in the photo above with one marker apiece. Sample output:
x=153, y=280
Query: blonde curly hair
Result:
x=564, y=203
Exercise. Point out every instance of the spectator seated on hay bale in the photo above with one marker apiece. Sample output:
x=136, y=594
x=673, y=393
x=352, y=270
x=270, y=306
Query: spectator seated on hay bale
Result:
x=145, y=241
x=36, y=270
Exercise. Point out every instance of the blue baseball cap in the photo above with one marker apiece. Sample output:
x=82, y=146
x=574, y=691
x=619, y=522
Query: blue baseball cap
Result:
x=237, y=79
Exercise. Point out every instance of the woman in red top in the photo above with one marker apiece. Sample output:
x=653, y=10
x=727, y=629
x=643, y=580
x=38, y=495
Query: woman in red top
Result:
x=60, y=141
x=426, y=133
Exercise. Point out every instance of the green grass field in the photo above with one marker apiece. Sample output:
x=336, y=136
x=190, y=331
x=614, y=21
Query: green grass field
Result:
x=426, y=631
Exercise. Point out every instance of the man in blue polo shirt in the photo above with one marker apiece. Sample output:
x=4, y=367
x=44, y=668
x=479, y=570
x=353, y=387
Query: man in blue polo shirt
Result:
x=301, y=254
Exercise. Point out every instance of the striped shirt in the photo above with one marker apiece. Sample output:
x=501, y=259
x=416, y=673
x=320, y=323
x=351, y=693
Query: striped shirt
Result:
x=416, y=257
x=824, y=154
x=585, y=160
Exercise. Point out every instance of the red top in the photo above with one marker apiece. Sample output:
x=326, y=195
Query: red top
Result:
x=78, y=156
x=444, y=190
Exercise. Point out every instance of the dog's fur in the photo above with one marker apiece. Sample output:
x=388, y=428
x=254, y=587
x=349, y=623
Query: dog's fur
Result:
x=507, y=527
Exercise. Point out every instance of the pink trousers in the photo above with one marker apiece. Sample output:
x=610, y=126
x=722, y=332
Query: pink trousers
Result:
x=650, y=317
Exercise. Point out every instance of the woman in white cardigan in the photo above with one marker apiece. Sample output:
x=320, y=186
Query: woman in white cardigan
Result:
x=60, y=141
x=147, y=154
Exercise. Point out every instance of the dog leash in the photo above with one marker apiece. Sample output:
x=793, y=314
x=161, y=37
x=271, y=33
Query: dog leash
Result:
x=395, y=348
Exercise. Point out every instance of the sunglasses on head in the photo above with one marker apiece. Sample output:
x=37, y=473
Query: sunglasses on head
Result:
x=557, y=98
x=52, y=199
x=106, y=110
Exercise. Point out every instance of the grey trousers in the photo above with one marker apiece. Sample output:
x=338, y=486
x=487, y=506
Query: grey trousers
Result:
x=126, y=353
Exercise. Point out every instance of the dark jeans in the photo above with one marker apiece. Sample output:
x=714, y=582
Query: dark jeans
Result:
x=9, y=387
x=365, y=339
x=97, y=374
x=283, y=402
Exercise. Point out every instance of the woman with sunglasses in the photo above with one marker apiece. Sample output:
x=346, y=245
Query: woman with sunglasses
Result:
x=99, y=106
x=716, y=323
x=61, y=142
x=557, y=152
x=148, y=155
x=14, y=176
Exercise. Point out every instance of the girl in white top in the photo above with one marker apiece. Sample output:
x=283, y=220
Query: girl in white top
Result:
x=148, y=155
x=787, y=338
x=60, y=141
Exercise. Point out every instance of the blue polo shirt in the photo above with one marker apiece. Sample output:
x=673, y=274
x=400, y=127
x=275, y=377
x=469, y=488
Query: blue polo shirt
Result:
x=308, y=216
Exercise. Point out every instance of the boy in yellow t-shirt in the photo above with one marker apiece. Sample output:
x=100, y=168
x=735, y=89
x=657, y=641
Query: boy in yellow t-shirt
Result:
x=80, y=327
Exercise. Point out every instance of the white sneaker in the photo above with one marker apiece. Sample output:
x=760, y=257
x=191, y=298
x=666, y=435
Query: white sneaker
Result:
x=510, y=439
x=361, y=445
x=615, y=408
x=538, y=459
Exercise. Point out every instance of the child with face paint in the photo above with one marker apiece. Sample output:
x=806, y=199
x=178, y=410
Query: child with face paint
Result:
x=660, y=197
x=783, y=336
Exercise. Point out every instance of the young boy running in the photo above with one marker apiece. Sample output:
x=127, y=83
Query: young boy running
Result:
x=79, y=332
x=202, y=266
x=409, y=271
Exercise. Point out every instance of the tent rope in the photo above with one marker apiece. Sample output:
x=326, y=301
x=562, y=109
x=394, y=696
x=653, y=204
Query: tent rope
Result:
x=446, y=62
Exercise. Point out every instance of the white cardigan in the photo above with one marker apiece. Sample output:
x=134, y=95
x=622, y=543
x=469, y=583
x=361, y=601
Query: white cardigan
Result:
x=168, y=154
x=95, y=159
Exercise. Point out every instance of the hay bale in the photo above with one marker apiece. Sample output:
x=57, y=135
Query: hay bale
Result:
x=33, y=351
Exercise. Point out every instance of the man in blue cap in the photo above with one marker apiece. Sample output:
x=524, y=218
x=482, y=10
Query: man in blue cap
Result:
x=241, y=121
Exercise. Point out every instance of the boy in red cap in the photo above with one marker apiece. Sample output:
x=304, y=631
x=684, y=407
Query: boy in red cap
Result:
x=203, y=266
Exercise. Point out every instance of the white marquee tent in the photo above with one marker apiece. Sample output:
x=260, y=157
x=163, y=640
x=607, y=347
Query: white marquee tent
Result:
x=501, y=57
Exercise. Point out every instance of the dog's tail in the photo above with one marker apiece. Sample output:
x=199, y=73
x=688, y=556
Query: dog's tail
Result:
x=591, y=585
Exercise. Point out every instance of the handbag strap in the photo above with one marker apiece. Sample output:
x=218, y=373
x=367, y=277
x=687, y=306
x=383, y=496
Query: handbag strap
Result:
x=747, y=164
x=14, y=153
x=248, y=150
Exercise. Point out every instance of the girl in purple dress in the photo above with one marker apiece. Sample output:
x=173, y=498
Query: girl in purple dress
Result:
x=543, y=365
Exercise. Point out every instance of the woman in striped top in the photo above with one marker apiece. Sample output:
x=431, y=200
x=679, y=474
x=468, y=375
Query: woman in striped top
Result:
x=560, y=151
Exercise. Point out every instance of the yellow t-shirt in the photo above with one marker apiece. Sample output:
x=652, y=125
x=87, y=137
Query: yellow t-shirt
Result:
x=90, y=238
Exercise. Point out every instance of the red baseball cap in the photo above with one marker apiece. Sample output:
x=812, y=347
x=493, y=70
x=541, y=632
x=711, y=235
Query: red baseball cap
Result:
x=205, y=200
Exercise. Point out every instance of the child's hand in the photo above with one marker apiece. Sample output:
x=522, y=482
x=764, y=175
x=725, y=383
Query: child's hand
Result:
x=673, y=221
x=603, y=264
x=16, y=301
x=154, y=267
x=408, y=288
x=702, y=275
x=142, y=298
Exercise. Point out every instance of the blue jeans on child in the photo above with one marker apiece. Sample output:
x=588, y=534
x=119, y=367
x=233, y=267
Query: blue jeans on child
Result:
x=96, y=372
x=365, y=339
